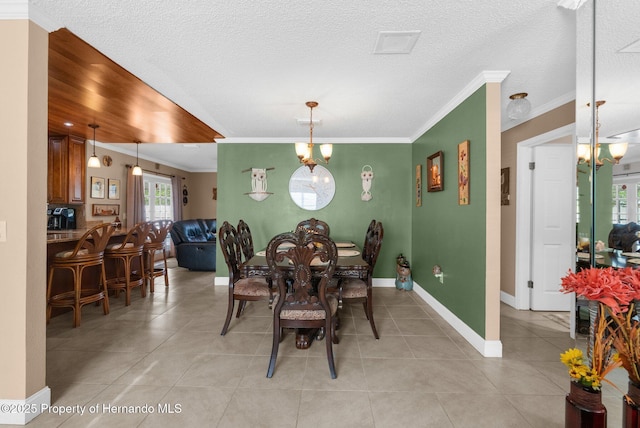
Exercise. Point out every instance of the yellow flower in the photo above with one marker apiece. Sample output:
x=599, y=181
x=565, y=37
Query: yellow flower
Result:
x=572, y=357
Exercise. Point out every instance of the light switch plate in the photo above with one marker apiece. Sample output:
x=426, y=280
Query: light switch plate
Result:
x=3, y=231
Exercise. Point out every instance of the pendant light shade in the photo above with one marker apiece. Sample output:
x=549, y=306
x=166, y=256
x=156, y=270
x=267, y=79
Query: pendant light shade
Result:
x=94, y=162
x=136, y=169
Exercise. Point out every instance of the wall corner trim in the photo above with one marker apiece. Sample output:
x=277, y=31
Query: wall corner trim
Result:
x=21, y=412
x=22, y=9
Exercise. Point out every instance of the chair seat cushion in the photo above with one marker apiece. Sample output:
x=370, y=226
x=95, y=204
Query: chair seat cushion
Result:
x=308, y=314
x=253, y=286
x=67, y=254
x=353, y=288
x=119, y=246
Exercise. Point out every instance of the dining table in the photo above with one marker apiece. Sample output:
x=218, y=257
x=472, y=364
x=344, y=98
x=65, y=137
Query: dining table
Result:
x=350, y=264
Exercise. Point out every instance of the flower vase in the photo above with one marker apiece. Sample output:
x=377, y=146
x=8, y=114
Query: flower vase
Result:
x=584, y=408
x=630, y=407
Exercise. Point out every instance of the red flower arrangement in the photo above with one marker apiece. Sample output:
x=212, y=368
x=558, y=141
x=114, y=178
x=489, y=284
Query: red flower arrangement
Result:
x=615, y=288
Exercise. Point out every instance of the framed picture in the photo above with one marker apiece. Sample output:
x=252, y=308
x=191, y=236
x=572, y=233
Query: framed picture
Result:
x=504, y=186
x=435, y=172
x=418, y=185
x=463, y=173
x=97, y=187
x=105, y=209
x=114, y=189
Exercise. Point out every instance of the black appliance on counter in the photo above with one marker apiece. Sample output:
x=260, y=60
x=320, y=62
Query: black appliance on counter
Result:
x=61, y=219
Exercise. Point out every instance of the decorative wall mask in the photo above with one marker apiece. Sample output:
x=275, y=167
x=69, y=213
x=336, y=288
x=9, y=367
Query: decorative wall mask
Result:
x=367, y=177
x=258, y=184
x=185, y=195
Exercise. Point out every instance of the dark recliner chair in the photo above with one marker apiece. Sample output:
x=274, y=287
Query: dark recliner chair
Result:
x=624, y=237
x=195, y=243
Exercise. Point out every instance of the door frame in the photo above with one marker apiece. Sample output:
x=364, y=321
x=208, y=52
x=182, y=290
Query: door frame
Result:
x=524, y=205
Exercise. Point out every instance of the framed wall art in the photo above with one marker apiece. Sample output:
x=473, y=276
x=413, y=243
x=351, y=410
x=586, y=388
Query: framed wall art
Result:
x=419, y=185
x=97, y=187
x=504, y=186
x=105, y=209
x=463, y=173
x=435, y=172
x=114, y=189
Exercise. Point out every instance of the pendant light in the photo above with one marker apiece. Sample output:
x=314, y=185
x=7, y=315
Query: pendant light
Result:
x=94, y=162
x=136, y=169
x=304, y=151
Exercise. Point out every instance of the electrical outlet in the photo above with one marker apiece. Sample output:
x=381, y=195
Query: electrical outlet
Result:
x=3, y=231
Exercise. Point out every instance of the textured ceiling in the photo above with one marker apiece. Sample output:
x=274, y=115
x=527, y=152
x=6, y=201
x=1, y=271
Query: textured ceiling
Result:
x=246, y=68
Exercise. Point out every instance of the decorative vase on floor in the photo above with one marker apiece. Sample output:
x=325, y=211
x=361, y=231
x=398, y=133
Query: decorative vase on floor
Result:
x=584, y=408
x=630, y=405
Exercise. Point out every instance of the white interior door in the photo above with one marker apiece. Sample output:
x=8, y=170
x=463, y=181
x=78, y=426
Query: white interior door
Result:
x=553, y=225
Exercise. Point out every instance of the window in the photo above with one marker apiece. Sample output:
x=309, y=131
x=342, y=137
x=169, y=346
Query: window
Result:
x=619, y=208
x=158, y=197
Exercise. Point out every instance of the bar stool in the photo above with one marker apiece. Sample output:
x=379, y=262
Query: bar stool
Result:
x=124, y=255
x=89, y=251
x=154, y=243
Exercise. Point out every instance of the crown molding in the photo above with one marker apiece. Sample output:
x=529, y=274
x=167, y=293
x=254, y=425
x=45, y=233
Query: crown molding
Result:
x=22, y=9
x=377, y=140
x=483, y=78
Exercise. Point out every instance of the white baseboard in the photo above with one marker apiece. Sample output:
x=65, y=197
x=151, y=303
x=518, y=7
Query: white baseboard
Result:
x=508, y=299
x=488, y=348
x=21, y=412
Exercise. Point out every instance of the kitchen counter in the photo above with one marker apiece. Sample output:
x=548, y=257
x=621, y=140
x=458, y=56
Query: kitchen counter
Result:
x=58, y=236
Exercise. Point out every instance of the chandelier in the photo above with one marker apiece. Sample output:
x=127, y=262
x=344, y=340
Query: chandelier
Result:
x=305, y=150
x=617, y=150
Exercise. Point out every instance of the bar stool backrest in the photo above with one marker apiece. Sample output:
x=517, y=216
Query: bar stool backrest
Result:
x=93, y=241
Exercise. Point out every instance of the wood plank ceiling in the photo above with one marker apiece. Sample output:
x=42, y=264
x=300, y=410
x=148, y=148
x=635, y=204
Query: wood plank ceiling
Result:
x=87, y=87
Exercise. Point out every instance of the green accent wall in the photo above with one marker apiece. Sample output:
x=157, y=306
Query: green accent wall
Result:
x=439, y=232
x=604, y=201
x=445, y=233
x=347, y=215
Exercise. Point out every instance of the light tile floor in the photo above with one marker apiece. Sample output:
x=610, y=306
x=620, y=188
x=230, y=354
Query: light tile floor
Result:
x=164, y=354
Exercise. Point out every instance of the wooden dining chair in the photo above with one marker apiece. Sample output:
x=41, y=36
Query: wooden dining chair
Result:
x=241, y=289
x=88, y=252
x=304, y=304
x=314, y=226
x=358, y=290
x=245, y=240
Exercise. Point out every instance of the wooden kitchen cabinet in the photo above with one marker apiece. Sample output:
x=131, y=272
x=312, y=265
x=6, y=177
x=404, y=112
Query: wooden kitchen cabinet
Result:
x=66, y=170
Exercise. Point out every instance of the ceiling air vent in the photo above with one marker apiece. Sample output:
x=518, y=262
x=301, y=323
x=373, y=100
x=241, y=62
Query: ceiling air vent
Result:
x=396, y=42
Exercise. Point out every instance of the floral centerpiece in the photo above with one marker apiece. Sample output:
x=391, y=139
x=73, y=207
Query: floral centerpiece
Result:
x=610, y=292
x=614, y=290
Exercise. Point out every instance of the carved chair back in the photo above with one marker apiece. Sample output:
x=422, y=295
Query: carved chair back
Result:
x=313, y=225
x=245, y=240
x=372, y=244
x=228, y=239
x=313, y=257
